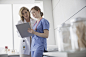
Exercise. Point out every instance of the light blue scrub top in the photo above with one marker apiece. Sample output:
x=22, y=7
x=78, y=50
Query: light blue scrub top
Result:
x=40, y=43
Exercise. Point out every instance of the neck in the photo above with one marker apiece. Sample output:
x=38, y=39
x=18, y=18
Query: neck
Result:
x=27, y=20
x=38, y=19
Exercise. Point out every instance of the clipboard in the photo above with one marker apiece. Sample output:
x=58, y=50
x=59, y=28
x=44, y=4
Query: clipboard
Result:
x=23, y=30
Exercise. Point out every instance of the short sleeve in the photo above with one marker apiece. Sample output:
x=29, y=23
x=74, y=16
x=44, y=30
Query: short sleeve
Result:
x=19, y=22
x=45, y=24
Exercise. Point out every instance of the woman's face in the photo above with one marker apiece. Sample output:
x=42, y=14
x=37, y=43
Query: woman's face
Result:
x=35, y=13
x=25, y=14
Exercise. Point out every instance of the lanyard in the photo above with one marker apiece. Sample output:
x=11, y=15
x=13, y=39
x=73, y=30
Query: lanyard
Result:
x=37, y=24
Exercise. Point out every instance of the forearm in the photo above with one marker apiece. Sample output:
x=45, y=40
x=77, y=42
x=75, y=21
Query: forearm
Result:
x=44, y=35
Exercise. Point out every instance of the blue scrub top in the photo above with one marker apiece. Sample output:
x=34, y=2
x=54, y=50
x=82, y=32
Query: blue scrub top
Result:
x=40, y=43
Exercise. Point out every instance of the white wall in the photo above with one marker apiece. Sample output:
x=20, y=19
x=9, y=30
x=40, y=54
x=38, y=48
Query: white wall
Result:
x=47, y=4
x=16, y=1
x=64, y=9
x=47, y=14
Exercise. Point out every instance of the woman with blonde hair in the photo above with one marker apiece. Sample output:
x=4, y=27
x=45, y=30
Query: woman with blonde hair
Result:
x=25, y=17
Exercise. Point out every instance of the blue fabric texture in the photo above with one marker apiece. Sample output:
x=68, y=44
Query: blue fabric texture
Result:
x=39, y=43
x=37, y=53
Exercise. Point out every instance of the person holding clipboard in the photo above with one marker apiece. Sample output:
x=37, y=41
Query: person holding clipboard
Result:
x=25, y=17
x=40, y=31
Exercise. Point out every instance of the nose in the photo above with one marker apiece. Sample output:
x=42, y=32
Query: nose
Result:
x=33, y=14
x=25, y=14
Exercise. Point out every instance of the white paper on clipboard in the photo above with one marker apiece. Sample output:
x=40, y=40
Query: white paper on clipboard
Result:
x=23, y=30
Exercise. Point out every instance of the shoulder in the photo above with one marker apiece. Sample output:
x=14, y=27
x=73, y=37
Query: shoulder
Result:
x=44, y=20
x=20, y=21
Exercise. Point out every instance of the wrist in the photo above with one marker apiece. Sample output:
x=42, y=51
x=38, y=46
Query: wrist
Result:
x=33, y=32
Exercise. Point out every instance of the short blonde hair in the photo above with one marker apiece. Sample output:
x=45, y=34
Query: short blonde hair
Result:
x=20, y=13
